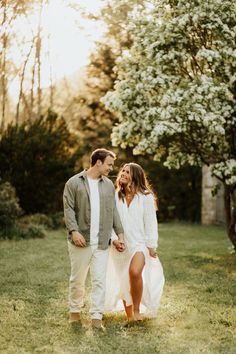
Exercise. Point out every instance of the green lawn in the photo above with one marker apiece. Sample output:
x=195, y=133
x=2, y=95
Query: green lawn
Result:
x=197, y=313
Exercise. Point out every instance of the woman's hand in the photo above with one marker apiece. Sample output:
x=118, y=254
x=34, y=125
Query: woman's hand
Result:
x=119, y=245
x=152, y=252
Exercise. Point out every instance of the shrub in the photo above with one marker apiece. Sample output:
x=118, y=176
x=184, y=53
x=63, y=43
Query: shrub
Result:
x=51, y=221
x=18, y=232
x=36, y=219
x=57, y=220
x=9, y=205
x=37, y=158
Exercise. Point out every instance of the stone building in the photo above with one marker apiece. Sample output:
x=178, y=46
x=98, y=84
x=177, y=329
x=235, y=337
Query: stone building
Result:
x=212, y=210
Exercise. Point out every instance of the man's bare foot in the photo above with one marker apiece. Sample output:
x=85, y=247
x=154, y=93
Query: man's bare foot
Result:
x=97, y=324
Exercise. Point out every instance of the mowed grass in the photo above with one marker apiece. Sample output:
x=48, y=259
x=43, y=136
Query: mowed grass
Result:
x=197, y=313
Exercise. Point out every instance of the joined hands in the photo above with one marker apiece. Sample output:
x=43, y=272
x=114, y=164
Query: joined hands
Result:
x=119, y=243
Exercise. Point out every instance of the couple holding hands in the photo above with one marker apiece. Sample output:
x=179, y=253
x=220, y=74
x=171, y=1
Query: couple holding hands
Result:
x=127, y=274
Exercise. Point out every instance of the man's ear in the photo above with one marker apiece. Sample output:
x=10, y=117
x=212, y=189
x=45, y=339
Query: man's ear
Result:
x=98, y=162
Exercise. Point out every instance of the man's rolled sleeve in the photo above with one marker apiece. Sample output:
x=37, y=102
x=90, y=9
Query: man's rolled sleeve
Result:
x=69, y=207
x=117, y=226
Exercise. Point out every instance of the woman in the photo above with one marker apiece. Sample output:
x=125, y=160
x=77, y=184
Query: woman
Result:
x=135, y=274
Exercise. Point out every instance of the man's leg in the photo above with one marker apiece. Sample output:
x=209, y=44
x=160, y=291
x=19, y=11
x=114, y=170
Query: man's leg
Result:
x=80, y=258
x=98, y=278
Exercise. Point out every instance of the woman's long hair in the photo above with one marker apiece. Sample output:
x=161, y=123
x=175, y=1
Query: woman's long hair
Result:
x=139, y=182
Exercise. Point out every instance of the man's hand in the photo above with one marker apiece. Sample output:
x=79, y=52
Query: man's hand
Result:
x=78, y=239
x=152, y=252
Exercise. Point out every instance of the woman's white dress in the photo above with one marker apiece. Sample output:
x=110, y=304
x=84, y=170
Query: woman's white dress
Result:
x=140, y=231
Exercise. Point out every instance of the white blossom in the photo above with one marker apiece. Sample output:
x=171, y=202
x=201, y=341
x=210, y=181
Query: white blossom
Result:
x=175, y=92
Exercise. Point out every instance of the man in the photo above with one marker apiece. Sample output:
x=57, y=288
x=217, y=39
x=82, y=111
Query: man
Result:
x=90, y=215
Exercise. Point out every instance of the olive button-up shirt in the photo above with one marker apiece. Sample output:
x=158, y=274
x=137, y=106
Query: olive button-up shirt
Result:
x=77, y=211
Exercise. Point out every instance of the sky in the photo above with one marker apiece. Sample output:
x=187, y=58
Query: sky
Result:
x=69, y=44
x=68, y=38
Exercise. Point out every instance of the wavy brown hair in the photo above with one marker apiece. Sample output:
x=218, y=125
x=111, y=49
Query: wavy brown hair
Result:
x=139, y=181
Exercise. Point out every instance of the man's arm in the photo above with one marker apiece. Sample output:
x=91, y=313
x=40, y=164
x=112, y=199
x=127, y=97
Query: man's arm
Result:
x=69, y=207
x=69, y=215
x=118, y=228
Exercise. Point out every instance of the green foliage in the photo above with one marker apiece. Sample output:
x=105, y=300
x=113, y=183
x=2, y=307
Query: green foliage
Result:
x=57, y=220
x=36, y=219
x=50, y=221
x=37, y=158
x=116, y=15
x=9, y=205
x=32, y=226
x=17, y=232
x=10, y=228
x=178, y=191
x=92, y=121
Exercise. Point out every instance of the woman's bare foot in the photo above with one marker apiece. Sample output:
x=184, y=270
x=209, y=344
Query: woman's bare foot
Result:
x=130, y=319
x=129, y=312
x=137, y=316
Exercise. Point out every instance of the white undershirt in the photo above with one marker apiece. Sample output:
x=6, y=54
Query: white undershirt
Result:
x=95, y=210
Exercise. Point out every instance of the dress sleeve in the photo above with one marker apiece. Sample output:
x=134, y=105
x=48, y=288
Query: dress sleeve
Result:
x=117, y=225
x=150, y=221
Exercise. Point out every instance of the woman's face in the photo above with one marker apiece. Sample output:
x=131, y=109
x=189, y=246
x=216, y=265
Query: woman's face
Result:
x=125, y=177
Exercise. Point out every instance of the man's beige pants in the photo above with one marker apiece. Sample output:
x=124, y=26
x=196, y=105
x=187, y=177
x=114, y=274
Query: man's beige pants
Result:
x=81, y=259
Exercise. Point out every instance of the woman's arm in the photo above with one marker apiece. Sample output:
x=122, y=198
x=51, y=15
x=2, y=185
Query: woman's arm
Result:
x=150, y=221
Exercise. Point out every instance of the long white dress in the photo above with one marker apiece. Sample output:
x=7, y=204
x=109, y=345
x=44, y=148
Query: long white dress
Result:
x=140, y=231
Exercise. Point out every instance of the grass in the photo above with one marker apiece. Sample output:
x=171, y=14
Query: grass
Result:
x=197, y=313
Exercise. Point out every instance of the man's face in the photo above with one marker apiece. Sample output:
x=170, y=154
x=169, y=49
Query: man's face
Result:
x=106, y=167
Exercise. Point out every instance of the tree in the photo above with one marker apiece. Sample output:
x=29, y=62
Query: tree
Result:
x=90, y=118
x=176, y=89
x=10, y=10
x=93, y=122
x=37, y=158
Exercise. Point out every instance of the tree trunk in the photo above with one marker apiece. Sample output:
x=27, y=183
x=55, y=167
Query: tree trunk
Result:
x=39, y=90
x=22, y=81
x=32, y=90
x=230, y=212
x=38, y=58
x=3, y=67
x=51, y=90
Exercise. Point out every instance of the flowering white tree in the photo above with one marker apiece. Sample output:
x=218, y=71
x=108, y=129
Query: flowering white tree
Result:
x=176, y=89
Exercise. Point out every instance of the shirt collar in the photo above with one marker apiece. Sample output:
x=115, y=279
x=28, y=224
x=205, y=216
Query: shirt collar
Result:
x=83, y=174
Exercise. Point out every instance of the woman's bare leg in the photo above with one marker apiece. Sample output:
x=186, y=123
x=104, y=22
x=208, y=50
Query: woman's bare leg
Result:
x=129, y=311
x=136, y=282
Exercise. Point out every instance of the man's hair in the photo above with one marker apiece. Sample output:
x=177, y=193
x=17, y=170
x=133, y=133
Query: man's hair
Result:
x=100, y=154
